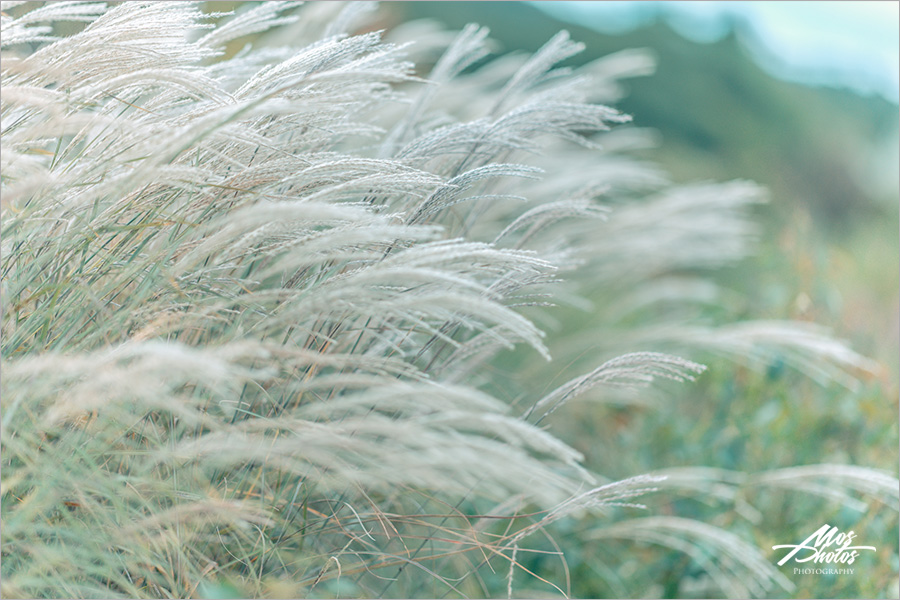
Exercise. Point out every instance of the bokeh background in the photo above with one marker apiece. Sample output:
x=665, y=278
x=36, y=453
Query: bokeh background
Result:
x=800, y=97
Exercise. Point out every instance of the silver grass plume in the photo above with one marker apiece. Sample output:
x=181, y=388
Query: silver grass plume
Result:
x=249, y=298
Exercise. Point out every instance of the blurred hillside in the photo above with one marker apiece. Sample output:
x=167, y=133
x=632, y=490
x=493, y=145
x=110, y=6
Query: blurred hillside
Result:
x=722, y=116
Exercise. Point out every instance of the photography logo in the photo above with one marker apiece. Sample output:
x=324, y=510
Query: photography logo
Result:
x=826, y=546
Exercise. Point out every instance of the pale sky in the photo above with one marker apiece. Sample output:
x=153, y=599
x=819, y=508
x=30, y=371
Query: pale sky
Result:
x=851, y=43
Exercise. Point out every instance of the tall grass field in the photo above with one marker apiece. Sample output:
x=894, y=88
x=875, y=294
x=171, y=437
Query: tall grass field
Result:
x=274, y=283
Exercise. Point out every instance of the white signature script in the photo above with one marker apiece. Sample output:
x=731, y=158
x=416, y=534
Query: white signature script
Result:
x=827, y=545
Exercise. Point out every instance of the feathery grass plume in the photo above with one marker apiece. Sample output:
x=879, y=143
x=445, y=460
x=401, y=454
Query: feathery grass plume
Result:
x=250, y=300
x=736, y=566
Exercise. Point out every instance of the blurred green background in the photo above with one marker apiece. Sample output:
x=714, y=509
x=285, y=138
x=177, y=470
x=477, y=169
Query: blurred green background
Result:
x=829, y=255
